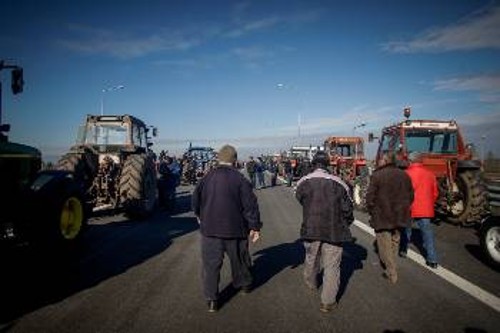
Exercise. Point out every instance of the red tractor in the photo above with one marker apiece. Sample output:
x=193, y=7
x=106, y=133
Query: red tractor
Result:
x=347, y=159
x=463, y=194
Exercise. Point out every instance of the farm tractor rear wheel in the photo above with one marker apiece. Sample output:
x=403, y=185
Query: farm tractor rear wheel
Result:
x=468, y=201
x=138, y=190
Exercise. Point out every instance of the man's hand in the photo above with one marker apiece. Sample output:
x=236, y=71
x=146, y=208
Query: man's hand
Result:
x=254, y=235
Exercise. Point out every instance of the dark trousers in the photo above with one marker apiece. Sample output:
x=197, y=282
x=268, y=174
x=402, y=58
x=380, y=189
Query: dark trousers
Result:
x=253, y=179
x=212, y=254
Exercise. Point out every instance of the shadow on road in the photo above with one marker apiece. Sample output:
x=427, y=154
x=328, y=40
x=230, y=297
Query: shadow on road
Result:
x=272, y=260
x=32, y=279
x=352, y=260
x=476, y=252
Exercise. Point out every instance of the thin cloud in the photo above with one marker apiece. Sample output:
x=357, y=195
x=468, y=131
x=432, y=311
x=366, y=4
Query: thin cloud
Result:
x=344, y=123
x=252, y=26
x=490, y=120
x=481, y=30
x=477, y=83
x=121, y=45
x=124, y=44
x=488, y=86
x=252, y=53
x=242, y=27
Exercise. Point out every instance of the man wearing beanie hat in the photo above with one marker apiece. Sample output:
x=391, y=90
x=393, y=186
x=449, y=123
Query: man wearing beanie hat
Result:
x=327, y=215
x=228, y=213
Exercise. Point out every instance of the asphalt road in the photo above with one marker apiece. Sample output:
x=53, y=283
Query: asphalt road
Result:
x=144, y=276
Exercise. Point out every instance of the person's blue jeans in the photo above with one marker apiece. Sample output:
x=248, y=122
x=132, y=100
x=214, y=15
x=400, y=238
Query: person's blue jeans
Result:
x=260, y=177
x=424, y=224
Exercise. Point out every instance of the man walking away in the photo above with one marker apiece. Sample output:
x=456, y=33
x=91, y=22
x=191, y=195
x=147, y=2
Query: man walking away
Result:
x=388, y=201
x=288, y=172
x=259, y=170
x=273, y=169
x=251, y=169
x=422, y=210
x=228, y=214
x=327, y=214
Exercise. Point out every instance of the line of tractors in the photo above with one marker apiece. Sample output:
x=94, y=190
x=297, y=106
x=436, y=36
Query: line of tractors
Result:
x=463, y=193
x=112, y=166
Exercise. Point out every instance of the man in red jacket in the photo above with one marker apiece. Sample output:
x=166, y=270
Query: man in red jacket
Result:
x=422, y=210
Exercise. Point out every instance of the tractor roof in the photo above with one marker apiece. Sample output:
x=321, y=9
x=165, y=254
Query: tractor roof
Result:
x=441, y=124
x=344, y=139
x=115, y=118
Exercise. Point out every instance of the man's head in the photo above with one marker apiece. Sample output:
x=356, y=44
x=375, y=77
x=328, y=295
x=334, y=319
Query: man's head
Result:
x=387, y=158
x=227, y=154
x=415, y=157
x=320, y=160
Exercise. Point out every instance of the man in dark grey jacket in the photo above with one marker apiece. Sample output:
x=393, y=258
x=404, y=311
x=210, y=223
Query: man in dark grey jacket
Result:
x=388, y=200
x=327, y=215
x=228, y=213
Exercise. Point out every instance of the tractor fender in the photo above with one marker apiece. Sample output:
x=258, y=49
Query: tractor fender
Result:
x=54, y=182
x=468, y=164
x=51, y=185
x=50, y=192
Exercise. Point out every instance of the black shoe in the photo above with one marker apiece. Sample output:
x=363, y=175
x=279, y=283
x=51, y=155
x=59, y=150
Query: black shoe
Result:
x=432, y=265
x=403, y=254
x=212, y=306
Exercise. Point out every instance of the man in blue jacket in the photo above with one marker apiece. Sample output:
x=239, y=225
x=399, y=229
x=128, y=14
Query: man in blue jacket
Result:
x=327, y=215
x=228, y=213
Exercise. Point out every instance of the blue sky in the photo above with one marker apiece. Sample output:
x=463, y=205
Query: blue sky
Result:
x=216, y=72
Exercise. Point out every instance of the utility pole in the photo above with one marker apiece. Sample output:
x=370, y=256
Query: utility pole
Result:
x=17, y=84
x=106, y=90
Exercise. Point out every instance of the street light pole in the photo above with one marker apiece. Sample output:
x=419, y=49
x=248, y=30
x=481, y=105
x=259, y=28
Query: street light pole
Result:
x=301, y=106
x=106, y=90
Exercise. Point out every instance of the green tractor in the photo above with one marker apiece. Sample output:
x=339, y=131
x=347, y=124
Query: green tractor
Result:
x=38, y=206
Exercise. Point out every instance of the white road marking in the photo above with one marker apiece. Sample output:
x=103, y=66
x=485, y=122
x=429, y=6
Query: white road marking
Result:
x=459, y=282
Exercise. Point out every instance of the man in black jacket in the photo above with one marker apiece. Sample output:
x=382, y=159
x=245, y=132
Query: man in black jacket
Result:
x=327, y=215
x=228, y=213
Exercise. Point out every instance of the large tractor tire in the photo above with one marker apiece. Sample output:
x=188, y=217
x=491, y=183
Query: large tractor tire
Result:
x=360, y=188
x=138, y=186
x=469, y=201
x=82, y=165
x=58, y=211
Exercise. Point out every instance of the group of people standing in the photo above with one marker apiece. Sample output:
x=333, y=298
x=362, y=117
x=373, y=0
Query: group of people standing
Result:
x=228, y=213
x=256, y=168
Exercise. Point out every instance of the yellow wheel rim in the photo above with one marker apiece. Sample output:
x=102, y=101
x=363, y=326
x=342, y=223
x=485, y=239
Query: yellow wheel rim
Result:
x=71, y=218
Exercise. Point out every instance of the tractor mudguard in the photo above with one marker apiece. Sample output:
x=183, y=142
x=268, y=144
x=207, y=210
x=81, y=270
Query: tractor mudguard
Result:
x=469, y=164
x=58, y=213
